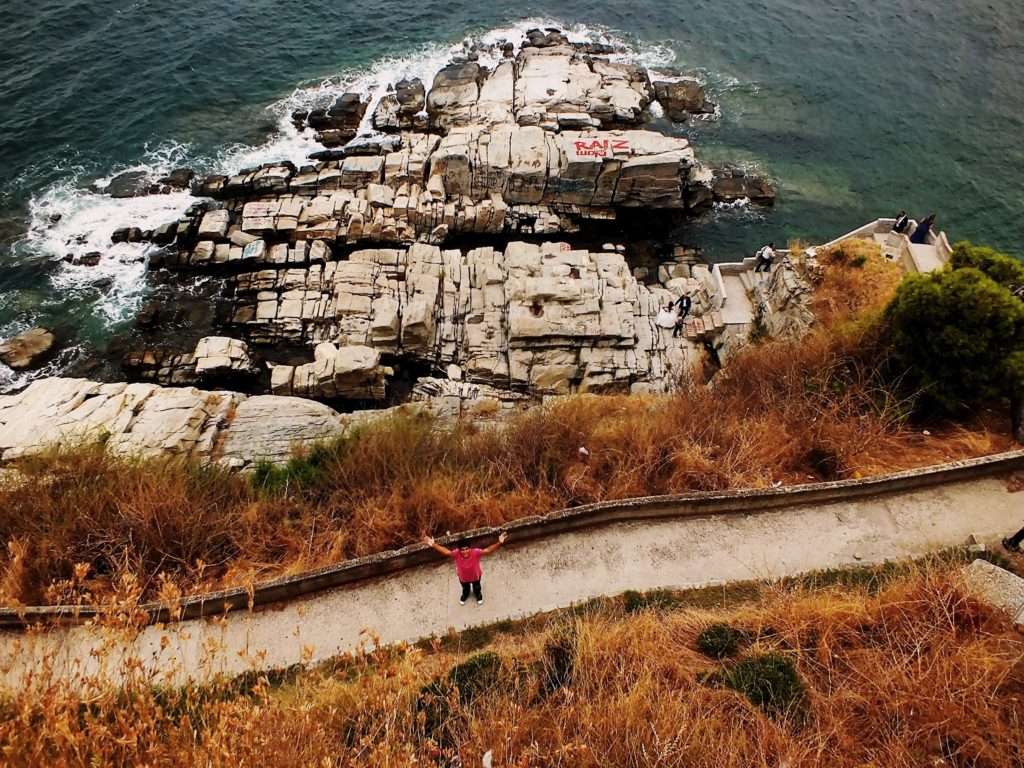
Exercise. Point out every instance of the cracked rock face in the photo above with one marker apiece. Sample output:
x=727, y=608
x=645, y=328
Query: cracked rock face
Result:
x=344, y=267
x=542, y=318
x=226, y=427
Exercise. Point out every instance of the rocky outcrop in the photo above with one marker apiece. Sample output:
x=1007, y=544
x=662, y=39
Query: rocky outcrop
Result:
x=353, y=373
x=147, y=420
x=541, y=318
x=781, y=303
x=544, y=143
x=682, y=98
x=506, y=180
x=403, y=108
x=137, y=183
x=731, y=184
x=131, y=418
x=225, y=427
x=215, y=359
x=340, y=122
x=28, y=349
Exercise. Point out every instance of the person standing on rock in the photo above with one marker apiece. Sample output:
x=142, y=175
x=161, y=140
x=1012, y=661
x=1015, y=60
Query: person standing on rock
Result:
x=765, y=258
x=467, y=565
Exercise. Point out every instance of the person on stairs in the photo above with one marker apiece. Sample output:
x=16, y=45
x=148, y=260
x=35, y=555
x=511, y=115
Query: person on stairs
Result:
x=683, y=306
x=924, y=229
x=467, y=565
x=902, y=222
x=765, y=258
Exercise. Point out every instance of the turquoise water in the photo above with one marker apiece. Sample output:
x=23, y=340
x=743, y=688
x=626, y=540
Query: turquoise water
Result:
x=856, y=108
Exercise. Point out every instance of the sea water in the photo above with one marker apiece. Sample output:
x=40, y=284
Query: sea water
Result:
x=856, y=108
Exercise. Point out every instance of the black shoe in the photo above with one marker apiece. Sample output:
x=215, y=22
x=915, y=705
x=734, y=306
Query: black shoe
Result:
x=1009, y=546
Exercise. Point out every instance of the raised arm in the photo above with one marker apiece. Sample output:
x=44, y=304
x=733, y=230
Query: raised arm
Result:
x=498, y=543
x=429, y=541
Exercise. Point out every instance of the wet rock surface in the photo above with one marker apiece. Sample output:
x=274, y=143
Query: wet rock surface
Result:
x=682, y=98
x=27, y=350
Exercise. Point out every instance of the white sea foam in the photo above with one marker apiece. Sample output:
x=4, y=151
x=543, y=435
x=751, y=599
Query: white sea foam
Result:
x=87, y=219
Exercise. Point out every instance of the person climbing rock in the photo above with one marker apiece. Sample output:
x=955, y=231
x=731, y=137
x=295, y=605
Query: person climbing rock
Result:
x=467, y=565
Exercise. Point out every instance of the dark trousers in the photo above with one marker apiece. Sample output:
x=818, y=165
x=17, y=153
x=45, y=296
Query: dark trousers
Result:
x=680, y=322
x=1017, y=538
x=475, y=586
x=763, y=265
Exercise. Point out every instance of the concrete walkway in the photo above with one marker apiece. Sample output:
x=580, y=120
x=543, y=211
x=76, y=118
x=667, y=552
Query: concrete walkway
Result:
x=541, y=575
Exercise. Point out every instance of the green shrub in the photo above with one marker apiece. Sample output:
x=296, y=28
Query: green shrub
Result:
x=655, y=599
x=953, y=335
x=770, y=681
x=475, y=675
x=464, y=681
x=1004, y=269
x=719, y=641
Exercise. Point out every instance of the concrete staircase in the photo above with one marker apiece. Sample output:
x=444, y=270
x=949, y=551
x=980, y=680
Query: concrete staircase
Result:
x=738, y=309
x=702, y=328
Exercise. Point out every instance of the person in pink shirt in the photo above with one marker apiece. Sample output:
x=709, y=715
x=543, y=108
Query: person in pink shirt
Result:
x=467, y=565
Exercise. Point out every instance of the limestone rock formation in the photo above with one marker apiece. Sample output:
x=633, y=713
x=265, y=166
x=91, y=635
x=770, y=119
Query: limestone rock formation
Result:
x=402, y=109
x=540, y=318
x=781, y=303
x=132, y=418
x=353, y=373
x=224, y=427
x=214, y=359
x=218, y=355
x=28, y=349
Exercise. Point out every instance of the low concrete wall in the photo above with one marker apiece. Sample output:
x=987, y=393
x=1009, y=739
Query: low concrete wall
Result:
x=568, y=556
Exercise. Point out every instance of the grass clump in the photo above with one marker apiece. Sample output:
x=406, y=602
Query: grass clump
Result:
x=770, y=681
x=653, y=600
x=719, y=641
x=475, y=675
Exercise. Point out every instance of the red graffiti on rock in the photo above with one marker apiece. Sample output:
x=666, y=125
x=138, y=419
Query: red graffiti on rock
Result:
x=600, y=147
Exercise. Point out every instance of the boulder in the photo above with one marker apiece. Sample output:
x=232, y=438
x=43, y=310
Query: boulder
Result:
x=179, y=178
x=214, y=225
x=128, y=184
x=27, y=350
x=731, y=184
x=682, y=98
x=271, y=428
x=401, y=109
x=340, y=122
x=220, y=355
x=454, y=92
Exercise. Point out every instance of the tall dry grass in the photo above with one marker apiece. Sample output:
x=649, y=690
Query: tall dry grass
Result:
x=917, y=674
x=781, y=412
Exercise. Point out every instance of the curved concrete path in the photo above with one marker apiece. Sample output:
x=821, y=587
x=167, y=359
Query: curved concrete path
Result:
x=542, y=574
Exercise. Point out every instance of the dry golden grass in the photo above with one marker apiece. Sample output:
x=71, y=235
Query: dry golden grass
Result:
x=915, y=674
x=787, y=412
